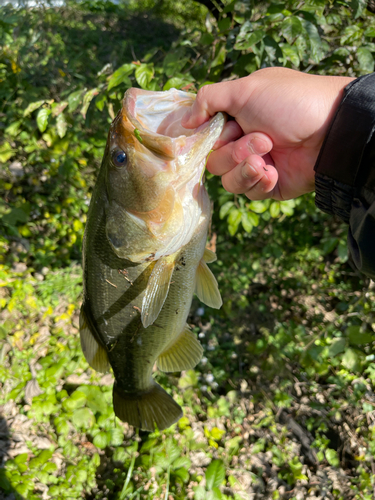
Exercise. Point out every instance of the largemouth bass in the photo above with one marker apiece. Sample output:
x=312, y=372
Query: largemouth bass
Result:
x=144, y=252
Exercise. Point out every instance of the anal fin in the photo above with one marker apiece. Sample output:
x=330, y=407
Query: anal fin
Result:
x=157, y=289
x=95, y=354
x=206, y=286
x=146, y=410
x=184, y=354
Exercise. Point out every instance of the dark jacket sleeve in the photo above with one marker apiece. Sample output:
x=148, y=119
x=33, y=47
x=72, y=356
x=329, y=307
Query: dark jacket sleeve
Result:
x=345, y=170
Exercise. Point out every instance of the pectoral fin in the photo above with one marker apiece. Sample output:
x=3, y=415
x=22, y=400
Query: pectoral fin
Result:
x=157, y=289
x=209, y=256
x=95, y=354
x=184, y=354
x=206, y=286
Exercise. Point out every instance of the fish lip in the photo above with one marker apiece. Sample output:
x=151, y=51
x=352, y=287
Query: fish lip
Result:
x=130, y=103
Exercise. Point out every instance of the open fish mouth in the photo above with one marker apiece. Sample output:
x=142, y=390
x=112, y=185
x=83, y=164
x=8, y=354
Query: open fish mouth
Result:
x=156, y=118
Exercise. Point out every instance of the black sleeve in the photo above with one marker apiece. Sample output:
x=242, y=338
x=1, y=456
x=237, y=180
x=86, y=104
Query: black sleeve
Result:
x=345, y=170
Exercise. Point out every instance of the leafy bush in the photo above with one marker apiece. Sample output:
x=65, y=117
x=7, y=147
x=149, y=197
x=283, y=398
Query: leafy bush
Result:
x=283, y=400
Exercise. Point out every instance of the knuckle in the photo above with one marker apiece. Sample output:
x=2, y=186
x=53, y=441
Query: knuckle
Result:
x=226, y=184
x=235, y=156
x=201, y=95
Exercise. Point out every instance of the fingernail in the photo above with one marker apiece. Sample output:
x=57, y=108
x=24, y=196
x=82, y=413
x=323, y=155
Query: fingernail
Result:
x=248, y=171
x=258, y=146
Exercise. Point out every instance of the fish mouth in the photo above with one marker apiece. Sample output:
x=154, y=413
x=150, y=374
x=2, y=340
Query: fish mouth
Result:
x=163, y=196
x=159, y=112
x=155, y=118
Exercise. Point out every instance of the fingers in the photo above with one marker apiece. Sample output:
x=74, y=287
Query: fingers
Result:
x=231, y=132
x=253, y=178
x=226, y=158
x=212, y=98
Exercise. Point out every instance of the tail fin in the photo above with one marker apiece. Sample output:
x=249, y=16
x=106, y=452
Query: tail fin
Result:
x=146, y=409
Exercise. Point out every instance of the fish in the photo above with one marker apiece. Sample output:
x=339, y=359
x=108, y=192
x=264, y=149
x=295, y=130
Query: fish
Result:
x=144, y=252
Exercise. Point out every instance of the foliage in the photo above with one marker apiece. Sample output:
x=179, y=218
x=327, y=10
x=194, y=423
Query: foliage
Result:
x=283, y=402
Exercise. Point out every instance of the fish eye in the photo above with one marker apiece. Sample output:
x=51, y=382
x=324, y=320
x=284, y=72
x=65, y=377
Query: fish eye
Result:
x=119, y=158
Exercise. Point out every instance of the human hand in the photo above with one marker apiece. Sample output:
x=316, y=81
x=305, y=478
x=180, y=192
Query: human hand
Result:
x=281, y=119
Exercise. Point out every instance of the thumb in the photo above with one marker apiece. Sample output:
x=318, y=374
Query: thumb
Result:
x=211, y=99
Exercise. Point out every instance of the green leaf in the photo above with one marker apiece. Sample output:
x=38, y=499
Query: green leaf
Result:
x=101, y=440
x=332, y=458
x=6, y=152
x=83, y=418
x=224, y=209
x=291, y=27
x=317, y=49
x=182, y=462
x=182, y=473
x=61, y=125
x=14, y=128
x=120, y=455
x=259, y=207
x=329, y=245
x=352, y=33
x=350, y=359
x=95, y=398
x=76, y=400
x=234, y=220
x=121, y=75
x=144, y=75
x=174, y=83
x=117, y=436
x=248, y=36
x=272, y=49
x=342, y=251
x=287, y=207
x=62, y=426
x=214, y=494
x=220, y=55
x=75, y=99
x=40, y=460
x=356, y=337
x=42, y=118
x=359, y=7
x=88, y=97
x=275, y=209
x=58, y=107
x=32, y=107
x=253, y=218
x=224, y=24
x=290, y=52
x=337, y=347
x=365, y=60
x=246, y=222
x=14, y=216
x=215, y=474
x=100, y=102
x=174, y=62
x=199, y=493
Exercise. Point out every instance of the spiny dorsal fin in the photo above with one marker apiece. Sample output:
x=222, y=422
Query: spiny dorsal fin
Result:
x=206, y=286
x=184, y=354
x=95, y=354
x=157, y=289
x=209, y=256
x=146, y=410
